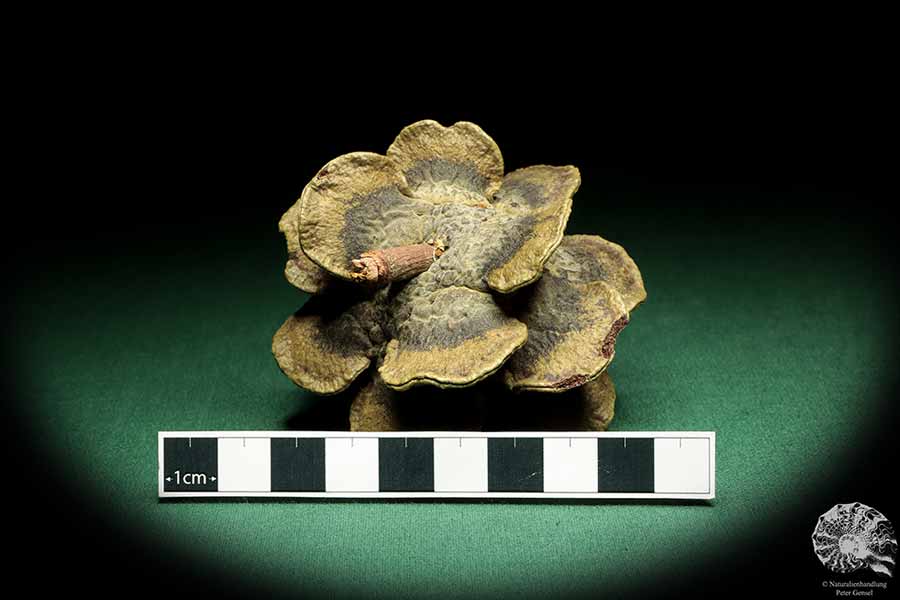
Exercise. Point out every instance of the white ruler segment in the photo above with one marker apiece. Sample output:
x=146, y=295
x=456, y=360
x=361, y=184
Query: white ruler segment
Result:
x=439, y=464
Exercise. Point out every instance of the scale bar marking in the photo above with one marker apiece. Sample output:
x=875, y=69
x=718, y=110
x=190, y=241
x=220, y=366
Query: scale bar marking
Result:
x=313, y=464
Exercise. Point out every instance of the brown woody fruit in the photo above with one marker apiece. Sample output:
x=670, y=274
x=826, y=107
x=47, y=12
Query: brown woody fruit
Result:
x=431, y=267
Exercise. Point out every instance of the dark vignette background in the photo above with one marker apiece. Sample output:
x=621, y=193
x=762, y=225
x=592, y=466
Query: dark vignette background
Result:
x=155, y=156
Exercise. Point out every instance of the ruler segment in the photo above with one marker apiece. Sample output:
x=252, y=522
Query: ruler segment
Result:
x=680, y=465
x=626, y=465
x=192, y=464
x=244, y=465
x=515, y=464
x=351, y=465
x=460, y=465
x=406, y=465
x=298, y=465
x=570, y=465
x=322, y=464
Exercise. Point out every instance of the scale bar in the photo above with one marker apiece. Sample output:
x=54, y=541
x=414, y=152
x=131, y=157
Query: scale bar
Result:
x=338, y=464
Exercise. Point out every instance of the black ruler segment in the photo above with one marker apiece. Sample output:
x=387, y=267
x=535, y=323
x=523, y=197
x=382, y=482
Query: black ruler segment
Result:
x=625, y=465
x=192, y=465
x=298, y=464
x=406, y=464
x=515, y=465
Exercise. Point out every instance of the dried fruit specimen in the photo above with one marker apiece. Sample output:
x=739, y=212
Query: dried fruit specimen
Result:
x=424, y=262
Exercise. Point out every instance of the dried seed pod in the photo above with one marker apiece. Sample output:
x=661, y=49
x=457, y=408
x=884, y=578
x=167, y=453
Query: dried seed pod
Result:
x=426, y=236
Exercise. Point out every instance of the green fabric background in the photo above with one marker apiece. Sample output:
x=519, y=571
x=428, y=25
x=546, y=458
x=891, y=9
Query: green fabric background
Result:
x=770, y=332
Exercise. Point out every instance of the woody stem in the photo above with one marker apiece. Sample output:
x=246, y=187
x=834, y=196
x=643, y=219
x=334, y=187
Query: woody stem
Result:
x=394, y=264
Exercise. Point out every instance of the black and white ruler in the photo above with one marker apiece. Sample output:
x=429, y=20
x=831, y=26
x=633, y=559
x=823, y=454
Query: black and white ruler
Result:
x=338, y=464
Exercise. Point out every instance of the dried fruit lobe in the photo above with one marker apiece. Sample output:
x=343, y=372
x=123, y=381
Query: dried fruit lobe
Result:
x=588, y=258
x=357, y=203
x=599, y=402
x=574, y=314
x=457, y=164
x=324, y=346
x=571, y=334
x=449, y=337
x=299, y=270
x=373, y=409
x=543, y=195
